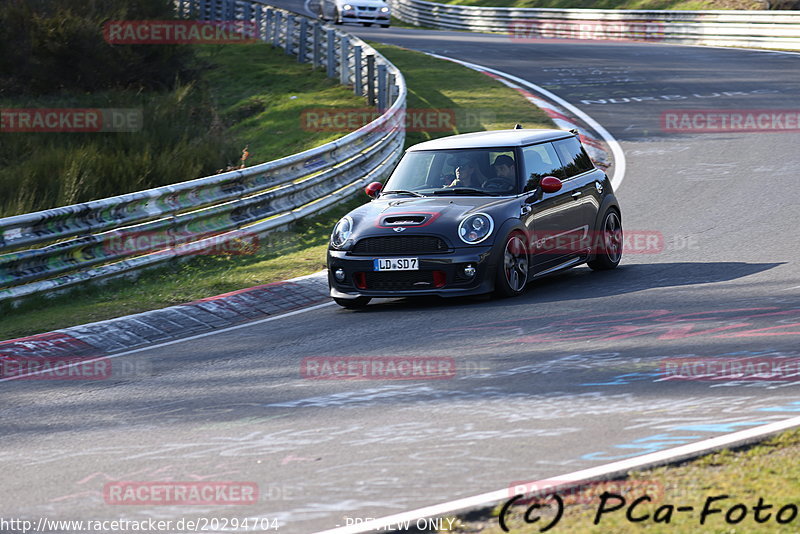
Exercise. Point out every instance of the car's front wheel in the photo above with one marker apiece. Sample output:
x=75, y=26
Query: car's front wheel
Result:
x=352, y=304
x=512, y=271
x=608, y=243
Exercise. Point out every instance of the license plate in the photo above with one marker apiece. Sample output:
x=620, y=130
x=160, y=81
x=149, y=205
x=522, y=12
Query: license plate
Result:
x=396, y=264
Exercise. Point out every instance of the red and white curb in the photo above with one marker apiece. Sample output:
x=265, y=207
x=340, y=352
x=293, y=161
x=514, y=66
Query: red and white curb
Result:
x=174, y=324
x=612, y=471
x=565, y=115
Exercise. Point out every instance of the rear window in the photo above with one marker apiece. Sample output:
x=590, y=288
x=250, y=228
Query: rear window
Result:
x=574, y=158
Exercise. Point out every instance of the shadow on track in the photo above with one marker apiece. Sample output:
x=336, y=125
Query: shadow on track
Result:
x=581, y=283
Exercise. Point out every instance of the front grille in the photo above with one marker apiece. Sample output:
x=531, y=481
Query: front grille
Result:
x=399, y=280
x=406, y=244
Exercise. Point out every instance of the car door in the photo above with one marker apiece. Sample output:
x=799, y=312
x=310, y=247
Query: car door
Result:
x=553, y=221
x=583, y=179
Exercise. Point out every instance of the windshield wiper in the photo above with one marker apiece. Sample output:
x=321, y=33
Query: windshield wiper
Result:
x=462, y=191
x=402, y=192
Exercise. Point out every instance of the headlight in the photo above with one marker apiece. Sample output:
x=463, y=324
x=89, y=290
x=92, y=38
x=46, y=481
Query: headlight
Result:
x=475, y=228
x=341, y=232
x=347, y=7
x=384, y=9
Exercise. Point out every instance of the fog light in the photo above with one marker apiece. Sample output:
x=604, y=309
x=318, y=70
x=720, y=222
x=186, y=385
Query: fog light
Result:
x=469, y=270
x=339, y=274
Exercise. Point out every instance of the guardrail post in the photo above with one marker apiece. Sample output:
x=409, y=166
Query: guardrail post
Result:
x=276, y=29
x=392, y=86
x=259, y=21
x=371, y=80
x=382, y=93
x=358, y=83
x=301, y=44
x=331, y=34
x=344, y=61
x=317, y=52
x=289, y=34
x=268, y=25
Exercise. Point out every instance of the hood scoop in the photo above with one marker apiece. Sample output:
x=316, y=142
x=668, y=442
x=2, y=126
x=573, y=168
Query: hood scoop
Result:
x=404, y=220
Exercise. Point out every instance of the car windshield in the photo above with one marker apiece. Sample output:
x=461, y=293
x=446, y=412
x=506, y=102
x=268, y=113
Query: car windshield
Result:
x=471, y=172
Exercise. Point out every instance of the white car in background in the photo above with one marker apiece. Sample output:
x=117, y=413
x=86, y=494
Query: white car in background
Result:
x=367, y=12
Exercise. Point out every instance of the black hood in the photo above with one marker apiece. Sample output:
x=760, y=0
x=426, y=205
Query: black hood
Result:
x=423, y=216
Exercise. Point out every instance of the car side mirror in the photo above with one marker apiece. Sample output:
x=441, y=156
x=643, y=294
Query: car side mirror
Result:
x=373, y=189
x=550, y=184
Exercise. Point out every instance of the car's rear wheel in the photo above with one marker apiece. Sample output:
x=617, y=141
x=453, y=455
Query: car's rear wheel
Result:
x=609, y=247
x=512, y=271
x=352, y=304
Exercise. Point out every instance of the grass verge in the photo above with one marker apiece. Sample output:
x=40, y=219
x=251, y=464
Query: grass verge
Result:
x=768, y=470
x=301, y=250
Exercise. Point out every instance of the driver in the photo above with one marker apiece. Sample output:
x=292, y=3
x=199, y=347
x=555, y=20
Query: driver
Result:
x=466, y=174
x=505, y=170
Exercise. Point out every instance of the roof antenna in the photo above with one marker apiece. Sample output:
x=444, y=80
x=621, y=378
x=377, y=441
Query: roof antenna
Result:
x=518, y=126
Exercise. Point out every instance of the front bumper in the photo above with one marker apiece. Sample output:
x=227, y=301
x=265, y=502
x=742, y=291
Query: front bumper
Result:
x=366, y=16
x=361, y=280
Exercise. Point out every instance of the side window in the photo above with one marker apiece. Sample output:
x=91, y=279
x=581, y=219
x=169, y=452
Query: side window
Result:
x=573, y=156
x=540, y=161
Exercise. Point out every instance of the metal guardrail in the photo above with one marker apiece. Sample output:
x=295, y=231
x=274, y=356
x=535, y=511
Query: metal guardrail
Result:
x=755, y=29
x=76, y=240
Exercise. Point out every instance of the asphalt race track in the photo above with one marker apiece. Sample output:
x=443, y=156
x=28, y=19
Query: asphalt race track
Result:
x=565, y=377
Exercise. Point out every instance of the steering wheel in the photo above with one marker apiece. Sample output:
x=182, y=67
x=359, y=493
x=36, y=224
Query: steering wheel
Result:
x=496, y=184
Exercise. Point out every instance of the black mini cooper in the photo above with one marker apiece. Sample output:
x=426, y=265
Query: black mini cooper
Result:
x=477, y=213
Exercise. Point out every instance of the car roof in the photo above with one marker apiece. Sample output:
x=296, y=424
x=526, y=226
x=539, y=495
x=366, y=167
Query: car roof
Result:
x=494, y=138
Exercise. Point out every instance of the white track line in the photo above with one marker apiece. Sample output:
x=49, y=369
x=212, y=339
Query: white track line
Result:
x=616, y=149
x=656, y=458
x=174, y=341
